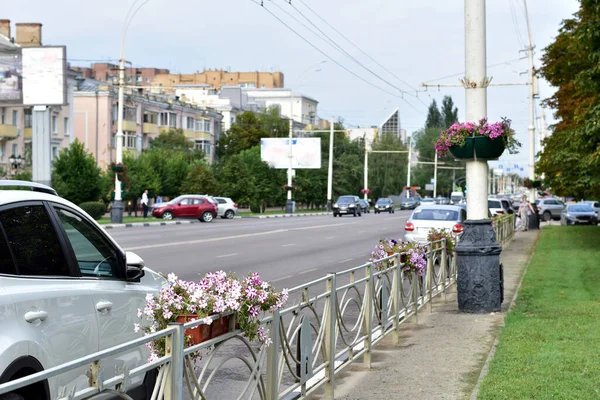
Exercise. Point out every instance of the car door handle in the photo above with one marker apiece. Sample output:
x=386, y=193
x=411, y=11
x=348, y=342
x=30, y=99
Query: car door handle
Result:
x=104, y=306
x=32, y=316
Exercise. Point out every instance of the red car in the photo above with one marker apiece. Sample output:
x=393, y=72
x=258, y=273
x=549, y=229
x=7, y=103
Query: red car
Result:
x=187, y=206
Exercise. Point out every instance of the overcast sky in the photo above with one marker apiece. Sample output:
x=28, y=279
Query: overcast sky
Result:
x=417, y=41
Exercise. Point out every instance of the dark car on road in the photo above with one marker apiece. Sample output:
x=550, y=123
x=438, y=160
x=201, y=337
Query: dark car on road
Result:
x=187, y=206
x=364, y=206
x=409, y=203
x=384, y=204
x=347, y=205
x=576, y=214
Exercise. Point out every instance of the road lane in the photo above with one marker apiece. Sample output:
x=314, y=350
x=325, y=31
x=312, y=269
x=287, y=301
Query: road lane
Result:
x=287, y=251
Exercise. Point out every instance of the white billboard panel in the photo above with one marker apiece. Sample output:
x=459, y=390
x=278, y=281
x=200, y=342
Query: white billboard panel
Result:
x=44, y=75
x=306, y=152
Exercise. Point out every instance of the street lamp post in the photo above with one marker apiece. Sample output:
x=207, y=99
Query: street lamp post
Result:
x=478, y=252
x=15, y=161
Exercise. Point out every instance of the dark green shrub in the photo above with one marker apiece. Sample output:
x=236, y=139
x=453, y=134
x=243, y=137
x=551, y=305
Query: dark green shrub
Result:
x=95, y=209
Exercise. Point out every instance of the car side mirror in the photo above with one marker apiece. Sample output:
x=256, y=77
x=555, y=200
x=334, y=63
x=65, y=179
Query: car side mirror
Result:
x=135, y=267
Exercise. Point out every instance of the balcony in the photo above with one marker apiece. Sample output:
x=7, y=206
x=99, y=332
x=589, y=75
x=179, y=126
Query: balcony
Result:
x=150, y=129
x=27, y=133
x=8, y=131
x=129, y=126
x=165, y=129
x=190, y=134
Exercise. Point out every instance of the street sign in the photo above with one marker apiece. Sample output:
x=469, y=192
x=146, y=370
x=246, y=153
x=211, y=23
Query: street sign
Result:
x=429, y=187
x=432, y=182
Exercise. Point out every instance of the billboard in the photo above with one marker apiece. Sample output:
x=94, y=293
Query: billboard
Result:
x=44, y=75
x=306, y=152
x=11, y=77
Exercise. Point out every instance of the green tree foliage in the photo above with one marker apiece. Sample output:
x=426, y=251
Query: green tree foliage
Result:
x=173, y=140
x=75, y=175
x=387, y=172
x=143, y=176
x=272, y=122
x=571, y=157
x=244, y=134
x=22, y=176
x=449, y=112
x=434, y=117
x=200, y=180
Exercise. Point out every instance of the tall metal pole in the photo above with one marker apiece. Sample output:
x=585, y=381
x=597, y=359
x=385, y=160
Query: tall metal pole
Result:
x=366, y=173
x=531, y=128
x=435, y=175
x=409, y=162
x=288, y=204
x=478, y=253
x=330, y=167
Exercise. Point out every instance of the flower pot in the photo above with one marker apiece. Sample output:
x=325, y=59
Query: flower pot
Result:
x=220, y=326
x=195, y=335
x=480, y=147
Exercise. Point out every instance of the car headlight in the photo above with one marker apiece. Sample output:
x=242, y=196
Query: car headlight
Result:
x=352, y=205
x=335, y=205
x=387, y=206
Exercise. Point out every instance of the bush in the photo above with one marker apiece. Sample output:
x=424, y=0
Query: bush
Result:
x=95, y=209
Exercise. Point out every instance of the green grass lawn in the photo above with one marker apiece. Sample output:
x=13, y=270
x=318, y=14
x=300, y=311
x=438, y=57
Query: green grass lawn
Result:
x=550, y=345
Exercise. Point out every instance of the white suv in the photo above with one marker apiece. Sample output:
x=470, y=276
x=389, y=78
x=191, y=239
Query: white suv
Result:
x=226, y=207
x=66, y=290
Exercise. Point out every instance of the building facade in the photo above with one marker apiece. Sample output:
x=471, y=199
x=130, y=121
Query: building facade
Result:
x=218, y=79
x=145, y=117
x=302, y=109
x=107, y=72
x=16, y=121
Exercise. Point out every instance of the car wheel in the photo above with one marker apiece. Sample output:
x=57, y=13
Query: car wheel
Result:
x=334, y=215
x=206, y=216
x=168, y=215
x=546, y=216
x=229, y=214
x=391, y=211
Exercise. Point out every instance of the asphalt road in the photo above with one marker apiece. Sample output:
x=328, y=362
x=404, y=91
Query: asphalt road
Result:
x=286, y=251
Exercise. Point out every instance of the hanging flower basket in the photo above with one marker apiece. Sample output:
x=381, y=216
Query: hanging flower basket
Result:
x=288, y=187
x=532, y=184
x=481, y=141
x=365, y=191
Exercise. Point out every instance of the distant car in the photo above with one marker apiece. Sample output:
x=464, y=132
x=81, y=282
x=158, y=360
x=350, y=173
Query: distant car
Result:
x=457, y=197
x=409, y=203
x=463, y=205
x=384, y=204
x=425, y=217
x=576, y=214
x=595, y=205
x=442, y=200
x=364, y=206
x=550, y=208
x=226, y=208
x=427, y=201
x=187, y=206
x=347, y=205
x=495, y=206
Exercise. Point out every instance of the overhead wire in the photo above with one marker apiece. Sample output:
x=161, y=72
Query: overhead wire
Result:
x=331, y=58
x=515, y=21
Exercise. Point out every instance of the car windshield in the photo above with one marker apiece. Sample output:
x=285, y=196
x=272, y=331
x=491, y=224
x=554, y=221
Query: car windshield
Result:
x=383, y=201
x=362, y=202
x=345, y=200
x=580, y=208
x=435, y=215
x=176, y=200
x=494, y=204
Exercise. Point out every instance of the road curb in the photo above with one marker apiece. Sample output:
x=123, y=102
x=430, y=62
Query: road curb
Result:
x=287, y=215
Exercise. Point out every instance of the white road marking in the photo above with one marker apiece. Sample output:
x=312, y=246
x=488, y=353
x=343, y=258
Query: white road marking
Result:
x=361, y=232
x=288, y=245
x=345, y=261
x=282, y=278
x=330, y=237
x=227, y=255
x=307, y=271
x=217, y=239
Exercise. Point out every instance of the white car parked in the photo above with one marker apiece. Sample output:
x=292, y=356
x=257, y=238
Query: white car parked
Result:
x=67, y=290
x=227, y=209
x=438, y=216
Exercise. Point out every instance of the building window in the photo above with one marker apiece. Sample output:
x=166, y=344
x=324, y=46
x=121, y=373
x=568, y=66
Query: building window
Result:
x=3, y=116
x=203, y=125
x=15, y=117
x=150, y=118
x=190, y=122
x=54, y=125
x=148, y=80
x=173, y=120
x=67, y=127
x=15, y=150
x=168, y=119
x=2, y=149
x=115, y=113
x=130, y=114
x=28, y=119
x=129, y=140
x=54, y=152
x=203, y=145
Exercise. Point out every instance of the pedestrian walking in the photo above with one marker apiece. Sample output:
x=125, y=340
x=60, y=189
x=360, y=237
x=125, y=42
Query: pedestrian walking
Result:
x=145, y=203
x=525, y=210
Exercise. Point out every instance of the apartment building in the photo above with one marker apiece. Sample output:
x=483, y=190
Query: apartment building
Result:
x=107, y=72
x=218, y=79
x=16, y=121
x=145, y=117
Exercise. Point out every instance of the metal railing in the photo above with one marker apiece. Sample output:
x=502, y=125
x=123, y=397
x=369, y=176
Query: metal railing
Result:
x=504, y=226
x=334, y=321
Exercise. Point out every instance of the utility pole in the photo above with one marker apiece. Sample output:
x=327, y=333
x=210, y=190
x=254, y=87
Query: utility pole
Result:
x=116, y=214
x=366, y=174
x=532, y=191
x=478, y=253
x=289, y=209
x=330, y=167
x=435, y=175
x=409, y=139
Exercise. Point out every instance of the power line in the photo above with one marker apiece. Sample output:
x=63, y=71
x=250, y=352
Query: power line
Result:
x=462, y=73
x=329, y=57
x=515, y=21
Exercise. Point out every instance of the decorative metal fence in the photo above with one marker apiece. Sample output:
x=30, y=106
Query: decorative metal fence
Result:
x=504, y=226
x=333, y=322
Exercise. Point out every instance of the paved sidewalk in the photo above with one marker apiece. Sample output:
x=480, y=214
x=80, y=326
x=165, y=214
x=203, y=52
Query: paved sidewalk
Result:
x=442, y=357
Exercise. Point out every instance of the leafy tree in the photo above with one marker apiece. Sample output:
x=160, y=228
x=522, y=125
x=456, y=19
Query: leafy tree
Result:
x=267, y=183
x=449, y=112
x=236, y=181
x=171, y=166
x=173, y=140
x=199, y=180
x=142, y=175
x=571, y=157
x=434, y=117
x=387, y=172
x=244, y=134
x=75, y=175
x=272, y=122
